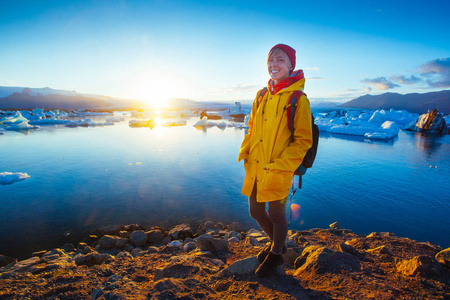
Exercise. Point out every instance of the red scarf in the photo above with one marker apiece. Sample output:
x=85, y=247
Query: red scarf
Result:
x=294, y=77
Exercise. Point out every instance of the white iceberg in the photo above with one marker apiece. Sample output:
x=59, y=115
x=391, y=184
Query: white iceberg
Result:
x=87, y=123
x=10, y=178
x=210, y=123
x=16, y=122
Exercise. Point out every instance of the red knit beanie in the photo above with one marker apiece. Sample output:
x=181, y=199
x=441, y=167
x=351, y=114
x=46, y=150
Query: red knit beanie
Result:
x=288, y=50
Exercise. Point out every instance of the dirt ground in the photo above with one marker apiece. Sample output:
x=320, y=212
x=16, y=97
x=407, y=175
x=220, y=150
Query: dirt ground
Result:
x=202, y=276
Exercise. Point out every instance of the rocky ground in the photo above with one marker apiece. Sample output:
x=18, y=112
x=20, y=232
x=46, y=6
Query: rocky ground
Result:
x=218, y=262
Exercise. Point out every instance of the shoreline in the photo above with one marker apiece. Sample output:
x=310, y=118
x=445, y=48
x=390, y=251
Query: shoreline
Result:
x=217, y=261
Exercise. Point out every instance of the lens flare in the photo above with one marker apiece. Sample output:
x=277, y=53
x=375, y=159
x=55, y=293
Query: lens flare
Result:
x=295, y=211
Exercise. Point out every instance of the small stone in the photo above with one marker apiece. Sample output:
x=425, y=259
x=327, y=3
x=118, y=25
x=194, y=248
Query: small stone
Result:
x=233, y=240
x=176, y=244
x=251, y=241
x=124, y=254
x=87, y=250
x=181, y=231
x=137, y=252
x=37, y=253
x=121, y=242
x=68, y=248
x=206, y=226
x=348, y=249
x=154, y=237
x=111, y=229
x=189, y=246
x=138, y=238
x=90, y=259
x=373, y=235
x=220, y=226
x=125, y=234
x=381, y=250
x=335, y=225
x=152, y=250
x=106, y=242
x=81, y=245
x=235, y=234
x=207, y=243
x=235, y=226
x=132, y=227
x=166, y=240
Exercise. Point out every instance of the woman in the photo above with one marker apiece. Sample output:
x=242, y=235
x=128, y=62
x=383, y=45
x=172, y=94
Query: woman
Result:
x=271, y=154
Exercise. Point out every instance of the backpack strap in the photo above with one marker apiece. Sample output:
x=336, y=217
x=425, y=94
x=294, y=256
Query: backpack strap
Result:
x=261, y=95
x=290, y=109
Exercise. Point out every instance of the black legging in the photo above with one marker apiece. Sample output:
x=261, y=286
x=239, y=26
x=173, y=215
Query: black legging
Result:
x=273, y=223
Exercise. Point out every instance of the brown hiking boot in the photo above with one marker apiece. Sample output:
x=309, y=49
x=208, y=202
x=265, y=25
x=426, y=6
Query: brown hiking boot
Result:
x=269, y=265
x=263, y=253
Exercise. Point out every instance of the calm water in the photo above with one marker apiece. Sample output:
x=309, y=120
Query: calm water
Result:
x=86, y=178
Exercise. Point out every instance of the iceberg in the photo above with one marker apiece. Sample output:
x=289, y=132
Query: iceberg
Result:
x=379, y=124
x=87, y=123
x=10, y=178
x=16, y=122
x=209, y=123
x=138, y=123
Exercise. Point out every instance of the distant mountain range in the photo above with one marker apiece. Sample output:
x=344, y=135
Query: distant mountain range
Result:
x=415, y=103
x=30, y=98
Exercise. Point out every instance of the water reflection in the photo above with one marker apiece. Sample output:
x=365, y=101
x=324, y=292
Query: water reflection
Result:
x=429, y=143
x=356, y=138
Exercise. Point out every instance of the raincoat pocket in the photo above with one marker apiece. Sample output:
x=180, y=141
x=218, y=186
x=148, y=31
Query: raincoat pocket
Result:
x=275, y=180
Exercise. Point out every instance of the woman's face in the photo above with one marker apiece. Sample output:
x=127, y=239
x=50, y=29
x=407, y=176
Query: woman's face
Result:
x=278, y=66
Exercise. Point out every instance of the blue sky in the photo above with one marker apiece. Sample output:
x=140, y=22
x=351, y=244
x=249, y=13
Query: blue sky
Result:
x=217, y=50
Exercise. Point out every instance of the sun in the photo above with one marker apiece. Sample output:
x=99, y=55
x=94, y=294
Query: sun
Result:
x=152, y=90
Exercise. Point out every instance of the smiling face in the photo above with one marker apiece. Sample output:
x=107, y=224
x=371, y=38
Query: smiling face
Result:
x=279, y=65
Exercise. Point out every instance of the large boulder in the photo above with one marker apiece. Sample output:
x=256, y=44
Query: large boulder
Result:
x=321, y=260
x=443, y=257
x=5, y=260
x=242, y=267
x=424, y=266
x=181, y=231
x=432, y=121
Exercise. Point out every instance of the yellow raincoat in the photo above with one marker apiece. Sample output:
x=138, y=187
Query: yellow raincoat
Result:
x=271, y=156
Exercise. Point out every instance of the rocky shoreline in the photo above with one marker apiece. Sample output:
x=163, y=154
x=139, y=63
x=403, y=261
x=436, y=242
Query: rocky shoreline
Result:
x=217, y=261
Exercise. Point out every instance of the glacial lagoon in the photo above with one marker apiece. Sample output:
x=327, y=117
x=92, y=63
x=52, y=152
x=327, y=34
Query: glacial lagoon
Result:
x=84, y=178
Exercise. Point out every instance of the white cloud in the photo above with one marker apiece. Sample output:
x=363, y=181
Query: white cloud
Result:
x=380, y=83
x=437, y=72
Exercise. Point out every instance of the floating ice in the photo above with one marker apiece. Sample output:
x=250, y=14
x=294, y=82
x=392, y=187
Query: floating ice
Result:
x=210, y=123
x=10, y=178
x=87, y=123
x=16, y=122
x=115, y=119
x=138, y=123
x=379, y=124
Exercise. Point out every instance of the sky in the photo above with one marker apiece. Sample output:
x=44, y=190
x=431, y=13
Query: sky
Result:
x=217, y=50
